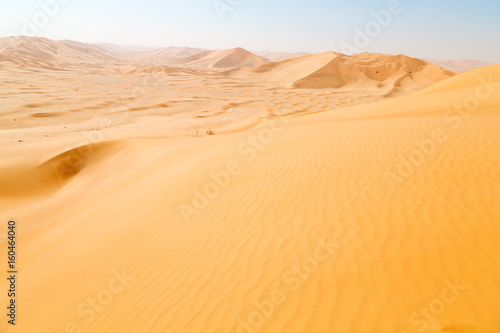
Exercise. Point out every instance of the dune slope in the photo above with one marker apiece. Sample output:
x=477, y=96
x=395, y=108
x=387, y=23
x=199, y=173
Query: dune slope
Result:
x=374, y=218
x=366, y=71
x=42, y=52
x=223, y=59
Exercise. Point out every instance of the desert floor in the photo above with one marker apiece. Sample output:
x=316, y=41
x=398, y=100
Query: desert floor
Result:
x=191, y=201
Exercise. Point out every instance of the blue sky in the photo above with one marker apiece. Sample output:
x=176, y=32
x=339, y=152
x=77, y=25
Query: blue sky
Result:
x=419, y=28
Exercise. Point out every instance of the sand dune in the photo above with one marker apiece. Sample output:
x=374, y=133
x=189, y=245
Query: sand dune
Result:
x=458, y=66
x=280, y=56
x=145, y=54
x=85, y=48
x=223, y=59
x=51, y=175
x=217, y=203
x=174, y=52
x=158, y=69
x=162, y=56
x=124, y=49
x=33, y=51
x=364, y=71
x=42, y=52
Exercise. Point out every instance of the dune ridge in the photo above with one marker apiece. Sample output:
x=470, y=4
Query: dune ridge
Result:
x=220, y=59
x=458, y=66
x=162, y=198
x=280, y=56
x=49, y=54
x=287, y=225
x=333, y=70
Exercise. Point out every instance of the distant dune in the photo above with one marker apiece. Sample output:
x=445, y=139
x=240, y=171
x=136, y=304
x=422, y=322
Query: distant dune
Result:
x=124, y=49
x=49, y=54
x=458, y=66
x=326, y=70
x=280, y=56
x=368, y=71
x=87, y=47
x=211, y=203
x=158, y=69
x=174, y=52
x=221, y=59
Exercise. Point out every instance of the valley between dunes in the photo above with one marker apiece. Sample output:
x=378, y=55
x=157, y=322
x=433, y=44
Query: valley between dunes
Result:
x=152, y=198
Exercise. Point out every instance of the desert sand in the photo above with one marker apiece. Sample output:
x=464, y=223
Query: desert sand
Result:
x=187, y=197
x=365, y=72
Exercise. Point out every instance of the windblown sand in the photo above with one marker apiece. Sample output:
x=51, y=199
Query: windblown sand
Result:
x=175, y=199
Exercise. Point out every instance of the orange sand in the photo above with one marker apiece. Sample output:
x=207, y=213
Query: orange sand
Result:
x=307, y=210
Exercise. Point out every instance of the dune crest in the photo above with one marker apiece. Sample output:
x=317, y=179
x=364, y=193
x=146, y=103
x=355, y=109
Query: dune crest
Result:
x=367, y=71
x=280, y=56
x=172, y=52
x=52, y=174
x=289, y=226
x=49, y=54
x=232, y=58
x=207, y=200
x=458, y=66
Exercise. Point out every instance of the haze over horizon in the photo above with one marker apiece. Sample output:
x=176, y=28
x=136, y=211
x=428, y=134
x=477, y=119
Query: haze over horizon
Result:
x=216, y=187
x=423, y=29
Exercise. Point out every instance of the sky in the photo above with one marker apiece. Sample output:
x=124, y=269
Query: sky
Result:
x=433, y=29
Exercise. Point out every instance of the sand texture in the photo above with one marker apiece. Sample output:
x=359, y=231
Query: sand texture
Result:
x=325, y=193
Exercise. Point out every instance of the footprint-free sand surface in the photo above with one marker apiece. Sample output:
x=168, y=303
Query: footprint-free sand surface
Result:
x=168, y=198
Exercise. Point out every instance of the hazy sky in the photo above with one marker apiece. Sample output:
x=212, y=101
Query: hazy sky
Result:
x=421, y=28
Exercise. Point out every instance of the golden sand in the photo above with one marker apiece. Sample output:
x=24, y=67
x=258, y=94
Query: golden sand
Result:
x=175, y=199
